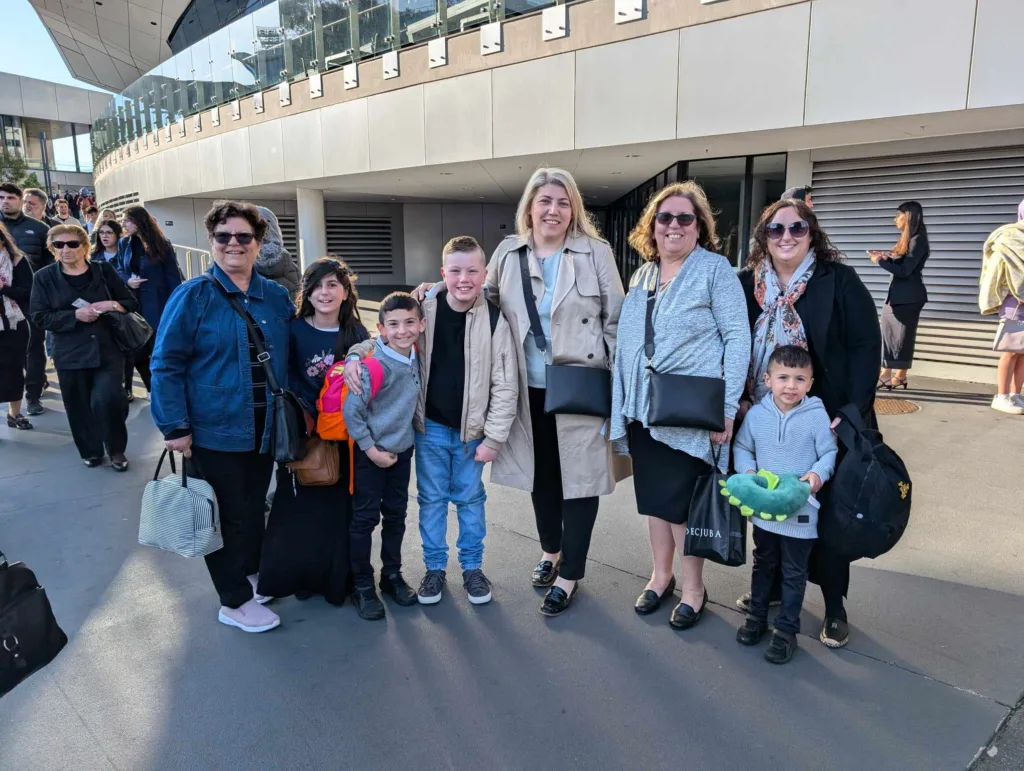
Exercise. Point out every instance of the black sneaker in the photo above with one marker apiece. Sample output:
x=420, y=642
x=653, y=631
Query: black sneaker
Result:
x=368, y=604
x=395, y=586
x=477, y=586
x=33, y=407
x=835, y=632
x=431, y=587
x=743, y=602
x=781, y=648
x=751, y=632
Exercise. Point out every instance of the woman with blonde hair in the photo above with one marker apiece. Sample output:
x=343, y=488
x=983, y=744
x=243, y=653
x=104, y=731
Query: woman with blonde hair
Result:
x=690, y=296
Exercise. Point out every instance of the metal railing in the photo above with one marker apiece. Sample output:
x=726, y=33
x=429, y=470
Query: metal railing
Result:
x=192, y=260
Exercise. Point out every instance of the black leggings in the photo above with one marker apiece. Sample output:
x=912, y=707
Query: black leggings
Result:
x=138, y=361
x=563, y=525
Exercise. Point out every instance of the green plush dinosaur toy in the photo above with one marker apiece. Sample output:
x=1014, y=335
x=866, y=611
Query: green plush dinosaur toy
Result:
x=772, y=497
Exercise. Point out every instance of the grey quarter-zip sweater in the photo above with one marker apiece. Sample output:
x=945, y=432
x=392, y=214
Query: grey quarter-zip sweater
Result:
x=795, y=442
x=385, y=420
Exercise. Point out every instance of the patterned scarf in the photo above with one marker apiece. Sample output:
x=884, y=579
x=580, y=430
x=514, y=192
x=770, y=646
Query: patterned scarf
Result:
x=779, y=323
x=12, y=312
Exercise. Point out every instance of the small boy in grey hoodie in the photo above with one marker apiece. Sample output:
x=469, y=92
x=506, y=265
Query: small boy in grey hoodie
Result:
x=787, y=432
x=381, y=426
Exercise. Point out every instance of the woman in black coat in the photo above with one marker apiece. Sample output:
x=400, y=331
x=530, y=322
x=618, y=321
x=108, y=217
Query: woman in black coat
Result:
x=71, y=298
x=811, y=299
x=906, y=297
x=15, y=287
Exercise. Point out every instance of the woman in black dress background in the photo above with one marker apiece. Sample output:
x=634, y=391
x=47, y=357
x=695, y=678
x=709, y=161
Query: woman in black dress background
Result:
x=906, y=297
x=15, y=288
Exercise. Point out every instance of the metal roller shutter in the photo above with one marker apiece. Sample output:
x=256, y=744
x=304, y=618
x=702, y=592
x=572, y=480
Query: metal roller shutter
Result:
x=365, y=243
x=965, y=195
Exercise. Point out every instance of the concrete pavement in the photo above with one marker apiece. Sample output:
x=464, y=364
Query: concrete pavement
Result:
x=149, y=680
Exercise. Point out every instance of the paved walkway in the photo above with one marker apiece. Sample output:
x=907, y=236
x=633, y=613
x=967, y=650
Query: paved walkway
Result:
x=149, y=680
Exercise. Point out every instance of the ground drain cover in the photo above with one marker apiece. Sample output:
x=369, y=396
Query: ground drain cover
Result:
x=888, y=406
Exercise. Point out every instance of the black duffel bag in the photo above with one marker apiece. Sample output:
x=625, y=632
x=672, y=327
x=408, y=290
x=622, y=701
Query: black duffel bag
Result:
x=29, y=635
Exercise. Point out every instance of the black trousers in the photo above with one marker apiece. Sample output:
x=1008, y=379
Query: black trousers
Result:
x=240, y=481
x=96, y=407
x=779, y=556
x=380, y=493
x=138, y=361
x=35, y=362
x=563, y=525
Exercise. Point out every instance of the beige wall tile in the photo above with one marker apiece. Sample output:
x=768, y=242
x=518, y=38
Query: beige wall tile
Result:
x=518, y=89
x=396, y=129
x=346, y=138
x=303, y=152
x=457, y=118
x=265, y=149
x=997, y=71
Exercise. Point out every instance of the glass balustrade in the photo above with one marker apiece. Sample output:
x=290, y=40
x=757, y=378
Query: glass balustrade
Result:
x=283, y=40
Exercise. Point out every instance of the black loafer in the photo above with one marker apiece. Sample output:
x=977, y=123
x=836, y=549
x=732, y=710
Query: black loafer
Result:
x=556, y=601
x=396, y=587
x=368, y=604
x=545, y=573
x=751, y=632
x=649, y=601
x=93, y=462
x=683, y=616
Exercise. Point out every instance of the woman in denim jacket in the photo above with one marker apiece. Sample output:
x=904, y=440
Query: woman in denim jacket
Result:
x=210, y=397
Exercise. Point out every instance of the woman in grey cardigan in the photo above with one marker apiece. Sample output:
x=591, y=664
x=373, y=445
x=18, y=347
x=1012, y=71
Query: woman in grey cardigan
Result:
x=700, y=328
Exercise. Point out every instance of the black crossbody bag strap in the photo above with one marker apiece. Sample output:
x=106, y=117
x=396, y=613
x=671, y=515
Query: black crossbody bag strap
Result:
x=262, y=355
x=652, y=297
x=531, y=302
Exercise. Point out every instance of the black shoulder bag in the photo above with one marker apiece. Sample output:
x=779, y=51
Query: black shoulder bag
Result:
x=570, y=389
x=290, y=431
x=130, y=330
x=680, y=401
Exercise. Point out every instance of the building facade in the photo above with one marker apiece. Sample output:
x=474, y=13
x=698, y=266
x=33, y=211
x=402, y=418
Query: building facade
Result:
x=379, y=129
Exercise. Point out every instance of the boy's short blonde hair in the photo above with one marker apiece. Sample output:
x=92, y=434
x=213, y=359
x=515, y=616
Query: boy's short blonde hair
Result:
x=462, y=244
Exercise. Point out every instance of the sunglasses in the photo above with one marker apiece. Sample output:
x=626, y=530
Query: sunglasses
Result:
x=61, y=244
x=777, y=230
x=243, y=239
x=685, y=219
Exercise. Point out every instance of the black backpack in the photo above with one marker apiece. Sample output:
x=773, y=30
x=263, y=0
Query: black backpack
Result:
x=867, y=505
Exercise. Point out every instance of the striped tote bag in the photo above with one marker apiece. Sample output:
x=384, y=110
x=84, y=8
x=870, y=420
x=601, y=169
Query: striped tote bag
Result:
x=179, y=514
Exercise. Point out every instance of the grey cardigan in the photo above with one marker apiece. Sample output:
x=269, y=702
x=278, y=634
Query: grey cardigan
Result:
x=700, y=328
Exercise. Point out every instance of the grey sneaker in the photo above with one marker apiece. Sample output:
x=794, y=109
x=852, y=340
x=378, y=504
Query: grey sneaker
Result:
x=477, y=586
x=431, y=587
x=33, y=407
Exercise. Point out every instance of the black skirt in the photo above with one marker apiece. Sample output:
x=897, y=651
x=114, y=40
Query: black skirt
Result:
x=13, y=351
x=899, y=334
x=663, y=477
x=306, y=546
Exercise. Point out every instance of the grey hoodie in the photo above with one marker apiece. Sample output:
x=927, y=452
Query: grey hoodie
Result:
x=796, y=442
x=275, y=262
x=385, y=421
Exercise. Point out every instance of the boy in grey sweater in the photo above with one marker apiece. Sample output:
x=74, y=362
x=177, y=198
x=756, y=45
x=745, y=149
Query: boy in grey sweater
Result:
x=787, y=432
x=381, y=426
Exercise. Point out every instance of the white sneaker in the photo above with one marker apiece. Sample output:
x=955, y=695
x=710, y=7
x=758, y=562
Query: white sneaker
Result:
x=250, y=617
x=262, y=599
x=1010, y=404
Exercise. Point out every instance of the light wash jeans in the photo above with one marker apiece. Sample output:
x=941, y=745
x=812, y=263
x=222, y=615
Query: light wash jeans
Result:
x=447, y=472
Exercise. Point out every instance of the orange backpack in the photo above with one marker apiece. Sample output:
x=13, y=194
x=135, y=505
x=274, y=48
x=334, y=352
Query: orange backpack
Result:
x=330, y=421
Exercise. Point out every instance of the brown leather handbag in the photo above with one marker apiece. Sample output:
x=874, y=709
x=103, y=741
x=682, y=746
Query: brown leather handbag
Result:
x=321, y=467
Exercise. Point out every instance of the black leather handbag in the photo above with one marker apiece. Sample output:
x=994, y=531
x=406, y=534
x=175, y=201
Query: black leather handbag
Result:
x=681, y=401
x=569, y=389
x=130, y=330
x=29, y=635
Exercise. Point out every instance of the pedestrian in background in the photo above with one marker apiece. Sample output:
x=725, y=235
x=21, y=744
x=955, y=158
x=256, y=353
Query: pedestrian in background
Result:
x=1002, y=292
x=275, y=262
x=70, y=299
x=35, y=203
x=799, y=193
x=700, y=329
x=91, y=216
x=105, y=237
x=906, y=296
x=15, y=289
x=63, y=214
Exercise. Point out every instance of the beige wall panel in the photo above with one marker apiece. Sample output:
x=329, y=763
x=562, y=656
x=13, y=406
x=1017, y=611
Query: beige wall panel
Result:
x=997, y=71
x=154, y=178
x=457, y=119
x=188, y=165
x=211, y=165
x=518, y=90
x=98, y=102
x=234, y=149
x=422, y=236
x=396, y=129
x=459, y=219
x=724, y=99
x=878, y=58
x=265, y=149
x=346, y=138
x=73, y=105
x=303, y=150
x=626, y=92
x=172, y=177
x=179, y=211
x=10, y=95
x=39, y=99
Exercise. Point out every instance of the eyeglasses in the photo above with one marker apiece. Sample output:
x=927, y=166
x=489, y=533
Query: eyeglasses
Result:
x=777, y=230
x=69, y=244
x=685, y=219
x=243, y=239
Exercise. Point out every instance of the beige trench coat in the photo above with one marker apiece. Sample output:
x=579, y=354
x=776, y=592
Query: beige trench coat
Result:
x=584, y=317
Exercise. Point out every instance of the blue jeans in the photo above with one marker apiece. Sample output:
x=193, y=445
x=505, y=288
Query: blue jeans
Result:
x=447, y=472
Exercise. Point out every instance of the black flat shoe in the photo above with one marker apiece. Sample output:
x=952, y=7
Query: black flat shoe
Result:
x=683, y=616
x=545, y=573
x=368, y=604
x=556, y=601
x=649, y=601
x=93, y=462
x=19, y=422
x=751, y=632
x=118, y=462
x=396, y=587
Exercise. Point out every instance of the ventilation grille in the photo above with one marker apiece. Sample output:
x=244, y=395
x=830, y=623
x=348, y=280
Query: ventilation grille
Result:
x=289, y=235
x=120, y=203
x=364, y=243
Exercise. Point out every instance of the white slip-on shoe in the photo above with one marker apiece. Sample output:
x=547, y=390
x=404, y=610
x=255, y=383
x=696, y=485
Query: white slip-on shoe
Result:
x=250, y=617
x=262, y=599
x=1006, y=403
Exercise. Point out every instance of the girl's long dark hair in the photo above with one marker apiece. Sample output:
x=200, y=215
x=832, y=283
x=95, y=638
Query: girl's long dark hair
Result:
x=912, y=226
x=155, y=243
x=97, y=245
x=331, y=265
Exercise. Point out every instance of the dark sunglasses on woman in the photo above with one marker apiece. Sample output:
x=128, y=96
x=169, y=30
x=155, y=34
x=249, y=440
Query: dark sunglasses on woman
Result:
x=776, y=230
x=685, y=219
x=244, y=239
x=69, y=244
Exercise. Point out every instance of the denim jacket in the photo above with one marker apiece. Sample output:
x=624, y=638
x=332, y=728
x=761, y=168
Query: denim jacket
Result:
x=202, y=377
x=162, y=277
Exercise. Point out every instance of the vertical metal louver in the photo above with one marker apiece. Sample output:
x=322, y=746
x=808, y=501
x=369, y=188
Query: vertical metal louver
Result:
x=965, y=195
x=364, y=243
x=289, y=235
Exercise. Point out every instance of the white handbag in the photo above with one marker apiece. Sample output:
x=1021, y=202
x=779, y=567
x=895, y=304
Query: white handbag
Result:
x=179, y=514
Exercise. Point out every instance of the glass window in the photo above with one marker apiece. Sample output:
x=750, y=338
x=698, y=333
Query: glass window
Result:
x=466, y=14
x=84, y=154
x=516, y=7
x=300, y=45
x=203, y=96
x=243, y=56
x=269, y=37
x=337, y=26
x=722, y=180
x=417, y=20
x=374, y=27
x=768, y=184
x=222, y=87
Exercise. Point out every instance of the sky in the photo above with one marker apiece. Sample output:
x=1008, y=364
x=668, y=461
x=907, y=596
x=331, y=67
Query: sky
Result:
x=28, y=49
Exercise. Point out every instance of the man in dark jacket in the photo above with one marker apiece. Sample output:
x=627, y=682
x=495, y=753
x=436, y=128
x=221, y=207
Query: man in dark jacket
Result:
x=35, y=206
x=30, y=236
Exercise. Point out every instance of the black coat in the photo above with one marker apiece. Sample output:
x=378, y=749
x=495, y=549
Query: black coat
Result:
x=30, y=236
x=841, y=322
x=907, y=284
x=77, y=345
